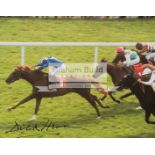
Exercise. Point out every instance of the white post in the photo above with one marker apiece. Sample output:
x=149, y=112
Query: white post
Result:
x=22, y=55
x=95, y=57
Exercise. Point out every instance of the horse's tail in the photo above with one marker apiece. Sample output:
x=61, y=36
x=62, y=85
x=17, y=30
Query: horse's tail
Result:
x=100, y=87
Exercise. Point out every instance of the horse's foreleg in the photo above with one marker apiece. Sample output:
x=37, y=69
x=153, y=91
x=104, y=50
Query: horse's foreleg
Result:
x=22, y=102
x=117, y=101
x=38, y=101
x=147, y=116
x=126, y=95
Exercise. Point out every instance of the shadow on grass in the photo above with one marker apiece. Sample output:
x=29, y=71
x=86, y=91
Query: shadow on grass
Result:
x=83, y=119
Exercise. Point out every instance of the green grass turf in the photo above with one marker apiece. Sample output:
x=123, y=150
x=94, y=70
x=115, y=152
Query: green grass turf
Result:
x=71, y=110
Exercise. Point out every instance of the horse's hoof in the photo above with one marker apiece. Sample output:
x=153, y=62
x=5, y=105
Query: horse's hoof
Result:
x=34, y=118
x=99, y=117
x=139, y=108
x=31, y=120
x=9, y=109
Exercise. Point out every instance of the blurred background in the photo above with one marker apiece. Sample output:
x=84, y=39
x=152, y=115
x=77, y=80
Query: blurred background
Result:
x=84, y=17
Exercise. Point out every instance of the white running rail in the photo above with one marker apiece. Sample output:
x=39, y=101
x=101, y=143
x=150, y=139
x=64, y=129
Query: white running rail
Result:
x=76, y=44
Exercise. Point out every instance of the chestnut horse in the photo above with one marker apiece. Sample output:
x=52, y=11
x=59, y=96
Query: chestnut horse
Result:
x=39, y=78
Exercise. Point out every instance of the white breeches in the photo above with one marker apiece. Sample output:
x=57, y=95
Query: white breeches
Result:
x=150, y=55
x=151, y=82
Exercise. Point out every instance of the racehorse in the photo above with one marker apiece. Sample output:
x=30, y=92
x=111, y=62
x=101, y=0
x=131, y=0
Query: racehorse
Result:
x=116, y=71
x=145, y=95
x=121, y=57
x=39, y=78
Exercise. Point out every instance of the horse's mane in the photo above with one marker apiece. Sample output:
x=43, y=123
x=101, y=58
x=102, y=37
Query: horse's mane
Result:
x=27, y=68
x=24, y=68
x=103, y=60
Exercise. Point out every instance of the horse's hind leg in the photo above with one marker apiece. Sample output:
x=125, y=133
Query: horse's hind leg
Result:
x=38, y=101
x=91, y=100
x=26, y=99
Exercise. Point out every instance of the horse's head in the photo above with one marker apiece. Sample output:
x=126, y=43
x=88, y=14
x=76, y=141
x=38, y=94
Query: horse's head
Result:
x=16, y=74
x=119, y=57
x=99, y=69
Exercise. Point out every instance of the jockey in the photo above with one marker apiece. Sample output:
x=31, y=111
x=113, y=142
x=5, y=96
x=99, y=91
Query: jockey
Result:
x=149, y=69
x=131, y=57
x=50, y=61
x=145, y=47
x=57, y=67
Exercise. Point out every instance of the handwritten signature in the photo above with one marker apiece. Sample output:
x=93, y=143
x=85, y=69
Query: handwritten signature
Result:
x=45, y=127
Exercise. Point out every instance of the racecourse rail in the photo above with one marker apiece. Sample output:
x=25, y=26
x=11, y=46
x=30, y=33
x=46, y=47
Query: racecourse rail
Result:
x=73, y=44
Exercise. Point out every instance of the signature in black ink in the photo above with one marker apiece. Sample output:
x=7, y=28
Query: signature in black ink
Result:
x=45, y=127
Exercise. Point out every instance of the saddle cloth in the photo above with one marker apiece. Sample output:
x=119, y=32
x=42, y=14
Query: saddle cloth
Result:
x=138, y=69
